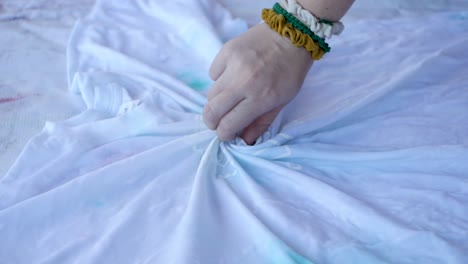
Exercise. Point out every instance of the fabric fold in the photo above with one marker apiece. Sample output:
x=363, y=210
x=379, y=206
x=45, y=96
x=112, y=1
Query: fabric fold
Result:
x=368, y=164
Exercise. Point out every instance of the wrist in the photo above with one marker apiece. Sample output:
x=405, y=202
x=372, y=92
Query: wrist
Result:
x=297, y=55
x=331, y=10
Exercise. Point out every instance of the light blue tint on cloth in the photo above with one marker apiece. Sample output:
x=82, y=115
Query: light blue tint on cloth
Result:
x=196, y=82
x=368, y=164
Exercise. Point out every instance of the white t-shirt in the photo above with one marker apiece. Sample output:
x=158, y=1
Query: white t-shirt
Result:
x=368, y=164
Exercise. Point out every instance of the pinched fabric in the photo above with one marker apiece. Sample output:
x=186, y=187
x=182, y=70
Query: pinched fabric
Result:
x=368, y=164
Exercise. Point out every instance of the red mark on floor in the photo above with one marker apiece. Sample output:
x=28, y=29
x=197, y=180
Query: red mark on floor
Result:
x=11, y=99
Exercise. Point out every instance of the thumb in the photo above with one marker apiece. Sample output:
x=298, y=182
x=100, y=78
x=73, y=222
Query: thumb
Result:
x=259, y=126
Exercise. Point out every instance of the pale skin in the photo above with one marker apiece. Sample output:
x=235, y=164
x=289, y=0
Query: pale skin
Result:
x=257, y=74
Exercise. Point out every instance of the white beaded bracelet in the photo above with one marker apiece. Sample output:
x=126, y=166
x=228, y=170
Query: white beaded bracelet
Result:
x=320, y=29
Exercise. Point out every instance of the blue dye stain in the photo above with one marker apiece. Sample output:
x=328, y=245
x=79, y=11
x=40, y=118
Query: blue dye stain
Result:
x=280, y=253
x=195, y=81
x=298, y=259
x=97, y=203
x=460, y=16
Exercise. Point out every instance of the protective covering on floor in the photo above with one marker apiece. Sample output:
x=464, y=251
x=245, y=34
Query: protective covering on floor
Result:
x=368, y=164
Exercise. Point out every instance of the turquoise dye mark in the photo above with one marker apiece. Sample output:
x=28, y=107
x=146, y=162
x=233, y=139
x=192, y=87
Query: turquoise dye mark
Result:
x=298, y=259
x=97, y=203
x=460, y=16
x=280, y=253
x=195, y=81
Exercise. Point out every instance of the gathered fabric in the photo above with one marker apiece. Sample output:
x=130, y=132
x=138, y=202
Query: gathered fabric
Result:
x=355, y=169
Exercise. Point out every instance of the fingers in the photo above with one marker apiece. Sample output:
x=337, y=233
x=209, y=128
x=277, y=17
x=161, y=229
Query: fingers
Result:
x=237, y=119
x=259, y=126
x=217, y=107
x=217, y=88
x=218, y=65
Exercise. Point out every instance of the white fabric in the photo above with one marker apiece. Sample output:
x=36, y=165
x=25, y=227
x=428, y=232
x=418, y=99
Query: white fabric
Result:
x=33, y=85
x=367, y=165
x=320, y=29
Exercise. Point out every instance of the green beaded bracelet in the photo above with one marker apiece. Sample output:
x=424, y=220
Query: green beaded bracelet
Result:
x=301, y=26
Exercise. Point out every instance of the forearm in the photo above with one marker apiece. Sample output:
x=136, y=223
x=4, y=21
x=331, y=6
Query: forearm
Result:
x=332, y=10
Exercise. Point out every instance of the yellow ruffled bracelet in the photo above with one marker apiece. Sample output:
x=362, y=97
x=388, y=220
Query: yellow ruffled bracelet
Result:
x=278, y=23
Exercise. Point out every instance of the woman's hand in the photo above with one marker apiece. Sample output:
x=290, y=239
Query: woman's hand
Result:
x=255, y=76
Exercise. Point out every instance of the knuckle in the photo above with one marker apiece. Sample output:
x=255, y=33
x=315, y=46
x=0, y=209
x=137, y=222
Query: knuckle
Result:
x=224, y=136
x=225, y=127
x=225, y=130
x=255, y=71
x=272, y=96
x=211, y=93
x=230, y=47
x=265, y=100
x=213, y=72
x=209, y=116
